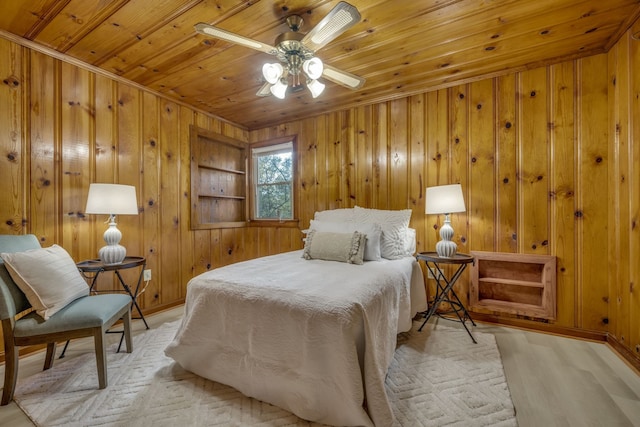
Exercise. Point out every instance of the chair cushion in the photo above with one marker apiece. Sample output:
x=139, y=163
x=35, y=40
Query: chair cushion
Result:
x=85, y=312
x=48, y=277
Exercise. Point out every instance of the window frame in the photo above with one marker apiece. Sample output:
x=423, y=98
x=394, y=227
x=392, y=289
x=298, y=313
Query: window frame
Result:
x=294, y=183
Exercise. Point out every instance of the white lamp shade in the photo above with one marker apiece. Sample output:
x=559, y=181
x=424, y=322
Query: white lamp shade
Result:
x=444, y=199
x=279, y=89
x=112, y=199
x=272, y=72
x=315, y=87
x=313, y=68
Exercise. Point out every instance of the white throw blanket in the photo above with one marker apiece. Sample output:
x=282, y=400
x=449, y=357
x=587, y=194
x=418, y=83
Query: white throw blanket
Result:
x=313, y=337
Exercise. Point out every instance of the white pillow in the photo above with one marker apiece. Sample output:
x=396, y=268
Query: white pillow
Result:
x=382, y=216
x=394, y=223
x=337, y=215
x=47, y=276
x=343, y=247
x=371, y=230
x=410, y=242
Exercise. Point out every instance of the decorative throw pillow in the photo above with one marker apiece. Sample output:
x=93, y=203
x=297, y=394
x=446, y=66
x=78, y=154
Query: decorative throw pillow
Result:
x=394, y=225
x=328, y=246
x=410, y=242
x=371, y=230
x=47, y=276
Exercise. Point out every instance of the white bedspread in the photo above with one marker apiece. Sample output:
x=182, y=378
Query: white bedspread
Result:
x=313, y=337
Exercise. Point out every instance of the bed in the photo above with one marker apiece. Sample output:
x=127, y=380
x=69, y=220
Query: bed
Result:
x=312, y=336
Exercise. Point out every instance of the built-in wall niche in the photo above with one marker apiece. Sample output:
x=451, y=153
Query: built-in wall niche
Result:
x=218, y=180
x=519, y=284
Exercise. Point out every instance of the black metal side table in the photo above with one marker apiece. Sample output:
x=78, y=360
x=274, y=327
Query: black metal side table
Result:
x=444, y=286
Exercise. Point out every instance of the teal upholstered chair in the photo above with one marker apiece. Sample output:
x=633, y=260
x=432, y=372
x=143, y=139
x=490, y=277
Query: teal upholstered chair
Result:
x=87, y=316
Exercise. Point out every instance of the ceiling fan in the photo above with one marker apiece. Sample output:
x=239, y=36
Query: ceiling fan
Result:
x=296, y=52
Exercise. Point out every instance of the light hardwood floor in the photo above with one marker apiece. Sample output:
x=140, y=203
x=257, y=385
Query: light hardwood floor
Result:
x=554, y=381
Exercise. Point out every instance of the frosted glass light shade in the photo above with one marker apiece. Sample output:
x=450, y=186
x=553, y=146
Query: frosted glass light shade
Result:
x=315, y=87
x=313, y=68
x=112, y=199
x=445, y=199
x=272, y=72
x=279, y=89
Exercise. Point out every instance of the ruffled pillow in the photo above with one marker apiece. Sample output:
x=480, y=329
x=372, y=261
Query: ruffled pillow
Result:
x=394, y=223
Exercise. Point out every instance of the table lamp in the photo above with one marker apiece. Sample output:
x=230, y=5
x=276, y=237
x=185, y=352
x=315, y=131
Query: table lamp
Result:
x=112, y=199
x=445, y=199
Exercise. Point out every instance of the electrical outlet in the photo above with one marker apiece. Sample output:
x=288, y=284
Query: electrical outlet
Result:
x=430, y=274
x=147, y=275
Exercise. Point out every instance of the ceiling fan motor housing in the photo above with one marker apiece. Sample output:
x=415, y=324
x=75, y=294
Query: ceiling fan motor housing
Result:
x=291, y=50
x=295, y=22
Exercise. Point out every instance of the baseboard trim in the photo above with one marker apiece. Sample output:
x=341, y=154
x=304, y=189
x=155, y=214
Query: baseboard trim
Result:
x=549, y=328
x=628, y=356
x=625, y=353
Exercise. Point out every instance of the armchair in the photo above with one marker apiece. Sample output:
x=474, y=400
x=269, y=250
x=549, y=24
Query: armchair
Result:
x=87, y=316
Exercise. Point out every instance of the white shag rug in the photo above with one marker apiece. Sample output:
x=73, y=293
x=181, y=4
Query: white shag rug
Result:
x=438, y=378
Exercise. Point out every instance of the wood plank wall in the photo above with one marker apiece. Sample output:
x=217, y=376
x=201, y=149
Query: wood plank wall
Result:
x=63, y=127
x=623, y=201
x=530, y=150
x=548, y=159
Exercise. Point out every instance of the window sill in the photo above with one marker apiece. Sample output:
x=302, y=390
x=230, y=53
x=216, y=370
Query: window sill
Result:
x=289, y=223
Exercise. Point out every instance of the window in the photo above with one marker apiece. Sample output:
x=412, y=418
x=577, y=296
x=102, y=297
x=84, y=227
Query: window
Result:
x=273, y=179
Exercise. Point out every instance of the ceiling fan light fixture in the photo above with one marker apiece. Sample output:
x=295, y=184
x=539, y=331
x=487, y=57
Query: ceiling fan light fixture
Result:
x=279, y=89
x=313, y=68
x=315, y=87
x=272, y=72
x=296, y=53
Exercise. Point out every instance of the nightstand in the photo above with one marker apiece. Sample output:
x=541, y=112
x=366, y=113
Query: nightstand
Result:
x=444, y=286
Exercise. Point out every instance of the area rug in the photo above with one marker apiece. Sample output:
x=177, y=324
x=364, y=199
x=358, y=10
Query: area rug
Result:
x=438, y=378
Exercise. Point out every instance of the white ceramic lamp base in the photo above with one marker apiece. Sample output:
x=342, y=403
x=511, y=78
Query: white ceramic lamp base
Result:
x=446, y=248
x=113, y=253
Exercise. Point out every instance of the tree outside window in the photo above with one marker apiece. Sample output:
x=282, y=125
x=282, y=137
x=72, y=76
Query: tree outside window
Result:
x=273, y=177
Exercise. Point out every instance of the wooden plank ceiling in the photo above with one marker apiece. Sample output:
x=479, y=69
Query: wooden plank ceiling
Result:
x=401, y=47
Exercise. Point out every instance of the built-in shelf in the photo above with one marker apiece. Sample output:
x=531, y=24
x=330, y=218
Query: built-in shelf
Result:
x=221, y=196
x=214, y=168
x=218, y=180
x=517, y=284
x=510, y=282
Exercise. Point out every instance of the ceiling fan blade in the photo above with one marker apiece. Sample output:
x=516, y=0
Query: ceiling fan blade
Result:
x=338, y=20
x=342, y=77
x=210, y=30
x=265, y=90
